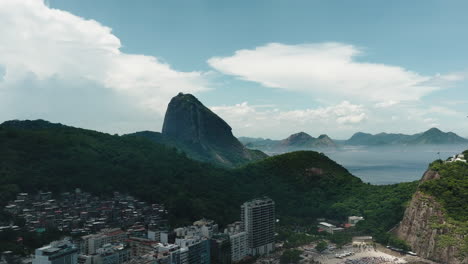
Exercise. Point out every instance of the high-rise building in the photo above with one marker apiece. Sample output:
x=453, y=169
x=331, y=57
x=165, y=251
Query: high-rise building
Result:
x=220, y=249
x=57, y=252
x=258, y=219
x=170, y=252
x=198, y=249
x=238, y=239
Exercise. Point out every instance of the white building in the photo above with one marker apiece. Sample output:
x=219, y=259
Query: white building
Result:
x=238, y=239
x=458, y=157
x=258, y=218
x=91, y=243
x=207, y=227
x=58, y=252
x=352, y=220
x=170, y=251
x=329, y=228
x=113, y=254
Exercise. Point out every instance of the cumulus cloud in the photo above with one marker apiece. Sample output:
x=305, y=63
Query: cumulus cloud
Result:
x=328, y=69
x=343, y=113
x=264, y=121
x=40, y=45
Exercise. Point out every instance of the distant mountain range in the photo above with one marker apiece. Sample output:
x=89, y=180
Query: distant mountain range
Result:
x=432, y=136
x=298, y=141
x=194, y=129
x=303, y=141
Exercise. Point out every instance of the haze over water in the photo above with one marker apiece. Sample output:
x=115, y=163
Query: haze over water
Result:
x=392, y=164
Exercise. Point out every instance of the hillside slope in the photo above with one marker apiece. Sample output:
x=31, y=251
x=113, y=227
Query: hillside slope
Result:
x=433, y=136
x=37, y=155
x=435, y=223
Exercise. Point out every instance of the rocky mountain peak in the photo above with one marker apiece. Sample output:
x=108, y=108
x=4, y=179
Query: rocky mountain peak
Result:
x=434, y=130
x=300, y=138
x=188, y=120
x=202, y=133
x=323, y=136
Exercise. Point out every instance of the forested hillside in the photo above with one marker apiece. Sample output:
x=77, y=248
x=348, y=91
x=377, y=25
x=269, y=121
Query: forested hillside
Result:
x=37, y=155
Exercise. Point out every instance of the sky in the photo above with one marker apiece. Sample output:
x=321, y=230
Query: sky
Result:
x=269, y=68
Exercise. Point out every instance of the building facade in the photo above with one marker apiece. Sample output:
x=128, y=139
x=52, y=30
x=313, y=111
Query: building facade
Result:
x=91, y=243
x=220, y=249
x=57, y=252
x=238, y=239
x=258, y=218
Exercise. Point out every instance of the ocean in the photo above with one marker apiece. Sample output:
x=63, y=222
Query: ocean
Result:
x=393, y=164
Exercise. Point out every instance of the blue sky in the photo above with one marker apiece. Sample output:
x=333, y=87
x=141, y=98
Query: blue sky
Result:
x=270, y=68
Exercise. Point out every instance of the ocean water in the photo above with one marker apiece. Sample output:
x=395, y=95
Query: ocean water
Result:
x=388, y=165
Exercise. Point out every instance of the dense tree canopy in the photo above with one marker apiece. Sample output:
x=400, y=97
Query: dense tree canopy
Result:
x=451, y=189
x=38, y=155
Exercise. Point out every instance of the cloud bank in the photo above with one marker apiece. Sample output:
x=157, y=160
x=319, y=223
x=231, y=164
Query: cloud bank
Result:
x=270, y=121
x=64, y=68
x=326, y=70
x=44, y=46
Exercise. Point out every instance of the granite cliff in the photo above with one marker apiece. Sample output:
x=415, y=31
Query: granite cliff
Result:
x=194, y=129
x=430, y=227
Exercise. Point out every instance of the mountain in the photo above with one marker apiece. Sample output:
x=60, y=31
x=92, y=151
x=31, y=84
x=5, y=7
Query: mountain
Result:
x=297, y=141
x=435, y=136
x=247, y=140
x=435, y=223
x=431, y=136
x=194, y=129
x=305, y=185
x=378, y=139
x=324, y=141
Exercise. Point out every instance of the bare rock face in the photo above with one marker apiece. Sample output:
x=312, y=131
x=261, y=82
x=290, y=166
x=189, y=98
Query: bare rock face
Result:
x=303, y=140
x=325, y=141
x=204, y=134
x=430, y=175
x=297, y=140
x=428, y=231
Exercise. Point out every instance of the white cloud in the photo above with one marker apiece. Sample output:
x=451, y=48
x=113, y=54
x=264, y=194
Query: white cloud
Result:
x=343, y=113
x=327, y=70
x=263, y=121
x=42, y=43
x=454, y=77
x=385, y=104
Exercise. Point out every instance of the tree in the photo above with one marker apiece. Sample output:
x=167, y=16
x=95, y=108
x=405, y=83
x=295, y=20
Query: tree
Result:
x=290, y=256
x=321, y=246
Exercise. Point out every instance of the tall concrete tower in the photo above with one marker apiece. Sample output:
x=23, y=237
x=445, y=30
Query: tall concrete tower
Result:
x=258, y=219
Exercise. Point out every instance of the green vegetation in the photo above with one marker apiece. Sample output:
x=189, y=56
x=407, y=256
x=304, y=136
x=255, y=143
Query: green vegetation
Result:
x=290, y=256
x=22, y=242
x=294, y=239
x=398, y=243
x=341, y=238
x=451, y=189
x=321, y=246
x=37, y=155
